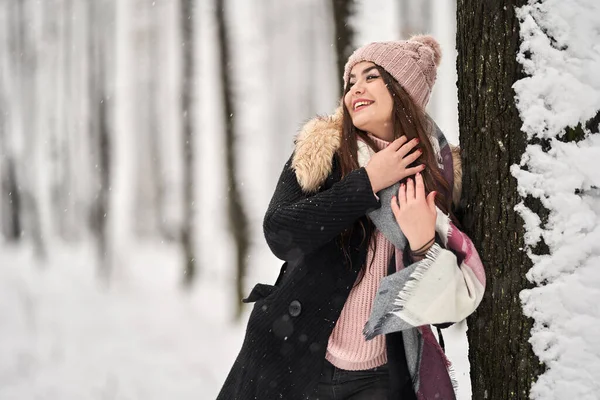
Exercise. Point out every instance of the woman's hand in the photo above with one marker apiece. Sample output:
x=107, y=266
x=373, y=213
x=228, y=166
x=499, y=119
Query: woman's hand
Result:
x=390, y=165
x=415, y=212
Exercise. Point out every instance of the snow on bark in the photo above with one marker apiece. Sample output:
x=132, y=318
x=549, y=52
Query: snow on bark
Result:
x=561, y=57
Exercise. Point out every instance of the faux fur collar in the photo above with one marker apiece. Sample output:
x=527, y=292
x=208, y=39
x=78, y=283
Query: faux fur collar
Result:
x=317, y=143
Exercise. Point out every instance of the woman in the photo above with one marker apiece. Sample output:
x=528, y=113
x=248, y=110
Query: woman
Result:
x=361, y=215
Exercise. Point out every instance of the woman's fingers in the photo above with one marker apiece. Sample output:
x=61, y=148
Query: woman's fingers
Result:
x=397, y=144
x=412, y=157
x=414, y=170
x=410, y=190
x=419, y=187
x=402, y=195
x=431, y=201
x=407, y=147
x=395, y=207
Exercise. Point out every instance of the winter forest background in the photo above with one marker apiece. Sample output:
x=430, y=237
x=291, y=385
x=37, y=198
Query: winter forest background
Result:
x=140, y=142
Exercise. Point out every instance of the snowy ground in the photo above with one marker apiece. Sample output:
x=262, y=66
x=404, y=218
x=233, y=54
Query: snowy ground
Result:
x=63, y=335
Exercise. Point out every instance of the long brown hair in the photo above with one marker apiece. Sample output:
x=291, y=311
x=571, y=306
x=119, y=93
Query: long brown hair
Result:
x=408, y=119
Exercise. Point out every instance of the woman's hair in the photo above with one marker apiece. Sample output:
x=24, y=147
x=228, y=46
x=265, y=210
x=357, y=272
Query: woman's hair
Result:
x=410, y=120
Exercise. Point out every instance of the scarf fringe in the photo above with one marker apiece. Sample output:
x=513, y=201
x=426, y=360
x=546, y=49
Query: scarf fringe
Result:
x=411, y=285
x=450, y=229
x=452, y=374
x=370, y=333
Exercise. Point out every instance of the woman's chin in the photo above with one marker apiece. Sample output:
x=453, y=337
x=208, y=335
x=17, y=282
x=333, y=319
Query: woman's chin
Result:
x=360, y=123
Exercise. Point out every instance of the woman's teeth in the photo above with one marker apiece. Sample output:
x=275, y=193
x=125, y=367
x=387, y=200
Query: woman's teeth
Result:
x=362, y=103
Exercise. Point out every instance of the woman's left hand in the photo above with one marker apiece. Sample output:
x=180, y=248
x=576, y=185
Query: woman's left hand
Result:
x=415, y=212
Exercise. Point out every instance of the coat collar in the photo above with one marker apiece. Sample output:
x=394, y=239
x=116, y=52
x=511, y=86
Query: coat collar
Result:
x=317, y=143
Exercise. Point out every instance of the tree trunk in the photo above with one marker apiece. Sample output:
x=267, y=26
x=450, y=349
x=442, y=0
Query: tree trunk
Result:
x=123, y=138
x=344, y=34
x=238, y=221
x=154, y=113
x=503, y=365
x=36, y=200
x=10, y=202
x=99, y=131
x=187, y=105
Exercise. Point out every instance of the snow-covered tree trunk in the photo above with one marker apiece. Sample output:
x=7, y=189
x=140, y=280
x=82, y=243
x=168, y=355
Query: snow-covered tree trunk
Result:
x=154, y=114
x=166, y=71
x=79, y=145
x=503, y=365
x=121, y=207
x=36, y=196
x=73, y=189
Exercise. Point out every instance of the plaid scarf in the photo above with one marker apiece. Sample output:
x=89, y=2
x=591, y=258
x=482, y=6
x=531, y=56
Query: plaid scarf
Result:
x=445, y=287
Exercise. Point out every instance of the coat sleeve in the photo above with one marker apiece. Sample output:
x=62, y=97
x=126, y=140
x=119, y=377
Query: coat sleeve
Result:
x=298, y=223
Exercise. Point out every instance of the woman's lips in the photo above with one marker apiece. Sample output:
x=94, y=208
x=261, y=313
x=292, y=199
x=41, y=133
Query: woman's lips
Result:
x=362, y=106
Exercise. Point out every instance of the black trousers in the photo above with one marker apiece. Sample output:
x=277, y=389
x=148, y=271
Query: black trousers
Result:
x=338, y=384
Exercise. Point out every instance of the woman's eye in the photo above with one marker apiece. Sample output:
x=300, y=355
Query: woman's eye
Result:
x=371, y=77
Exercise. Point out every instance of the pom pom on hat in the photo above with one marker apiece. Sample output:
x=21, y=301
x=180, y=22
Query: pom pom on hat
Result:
x=433, y=44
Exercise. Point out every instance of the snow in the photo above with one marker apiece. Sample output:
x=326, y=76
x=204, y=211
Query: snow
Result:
x=560, y=52
x=561, y=56
x=65, y=335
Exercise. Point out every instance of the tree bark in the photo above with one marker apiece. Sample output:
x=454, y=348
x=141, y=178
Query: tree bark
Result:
x=187, y=105
x=344, y=34
x=503, y=365
x=238, y=221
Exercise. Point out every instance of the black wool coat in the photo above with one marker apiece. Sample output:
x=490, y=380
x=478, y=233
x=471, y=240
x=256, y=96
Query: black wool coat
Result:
x=287, y=334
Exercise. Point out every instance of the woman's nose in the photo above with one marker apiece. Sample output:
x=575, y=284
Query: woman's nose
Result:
x=358, y=88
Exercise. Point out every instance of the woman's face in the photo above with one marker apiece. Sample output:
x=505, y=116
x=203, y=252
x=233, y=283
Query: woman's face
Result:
x=369, y=102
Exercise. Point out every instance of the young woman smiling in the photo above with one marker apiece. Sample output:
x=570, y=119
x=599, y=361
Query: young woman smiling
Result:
x=362, y=217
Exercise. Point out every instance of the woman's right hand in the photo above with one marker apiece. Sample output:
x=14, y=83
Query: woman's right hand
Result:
x=390, y=165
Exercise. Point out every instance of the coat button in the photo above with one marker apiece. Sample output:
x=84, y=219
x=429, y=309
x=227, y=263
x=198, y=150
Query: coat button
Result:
x=295, y=308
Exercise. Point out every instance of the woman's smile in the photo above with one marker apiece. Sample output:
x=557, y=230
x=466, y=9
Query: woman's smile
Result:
x=360, y=104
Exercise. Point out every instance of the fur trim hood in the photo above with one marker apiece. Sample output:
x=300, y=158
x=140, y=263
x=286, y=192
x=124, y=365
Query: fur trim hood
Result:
x=317, y=143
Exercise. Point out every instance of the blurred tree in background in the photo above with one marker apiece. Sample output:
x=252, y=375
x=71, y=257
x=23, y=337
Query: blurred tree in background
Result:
x=187, y=11
x=238, y=221
x=344, y=46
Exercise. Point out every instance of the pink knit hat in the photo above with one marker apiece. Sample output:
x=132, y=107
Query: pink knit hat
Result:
x=413, y=63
